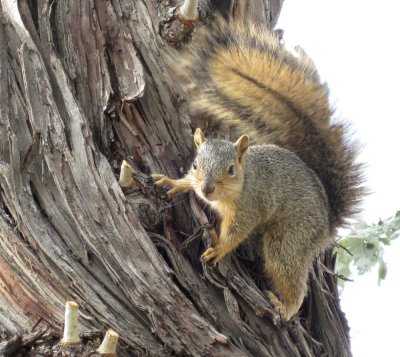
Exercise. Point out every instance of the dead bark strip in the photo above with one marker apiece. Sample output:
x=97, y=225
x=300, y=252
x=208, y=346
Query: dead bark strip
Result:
x=15, y=344
x=83, y=84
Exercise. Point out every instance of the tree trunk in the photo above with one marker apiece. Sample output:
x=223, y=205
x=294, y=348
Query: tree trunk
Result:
x=83, y=85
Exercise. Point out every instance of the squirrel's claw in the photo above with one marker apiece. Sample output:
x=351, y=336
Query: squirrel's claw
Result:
x=280, y=308
x=213, y=255
x=176, y=186
x=208, y=254
x=161, y=180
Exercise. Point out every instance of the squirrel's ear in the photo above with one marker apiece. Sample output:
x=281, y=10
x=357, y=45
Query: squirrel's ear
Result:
x=198, y=137
x=241, y=146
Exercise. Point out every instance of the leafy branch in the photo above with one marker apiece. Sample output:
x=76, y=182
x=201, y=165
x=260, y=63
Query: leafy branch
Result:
x=364, y=247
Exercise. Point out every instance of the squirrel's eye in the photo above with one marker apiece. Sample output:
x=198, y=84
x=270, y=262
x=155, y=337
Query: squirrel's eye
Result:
x=231, y=170
x=195, y=164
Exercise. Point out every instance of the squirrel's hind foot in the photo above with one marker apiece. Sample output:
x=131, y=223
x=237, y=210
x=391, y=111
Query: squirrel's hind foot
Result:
x=286, y=311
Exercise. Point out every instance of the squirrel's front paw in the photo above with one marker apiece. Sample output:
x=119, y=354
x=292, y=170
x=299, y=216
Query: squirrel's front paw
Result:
x=212, y=254
x=161, y=180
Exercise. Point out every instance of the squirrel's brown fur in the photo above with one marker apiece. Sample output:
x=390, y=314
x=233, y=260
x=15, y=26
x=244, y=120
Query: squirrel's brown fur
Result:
x=298, y=190
x=244, y=76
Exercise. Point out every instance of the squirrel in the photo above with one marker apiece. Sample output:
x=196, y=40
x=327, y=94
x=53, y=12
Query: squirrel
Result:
x=299, y=185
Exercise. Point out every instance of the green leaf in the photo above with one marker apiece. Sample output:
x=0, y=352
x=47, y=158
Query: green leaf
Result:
x=382, y=271
x=366, y=244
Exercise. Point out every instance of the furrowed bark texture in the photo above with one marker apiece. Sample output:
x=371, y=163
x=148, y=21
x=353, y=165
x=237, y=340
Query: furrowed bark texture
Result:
x=84, y=84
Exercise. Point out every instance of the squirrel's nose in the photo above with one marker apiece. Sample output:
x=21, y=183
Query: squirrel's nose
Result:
x=207, y=188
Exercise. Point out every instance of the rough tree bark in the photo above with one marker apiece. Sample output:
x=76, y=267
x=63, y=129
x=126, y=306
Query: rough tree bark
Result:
x=84, y=84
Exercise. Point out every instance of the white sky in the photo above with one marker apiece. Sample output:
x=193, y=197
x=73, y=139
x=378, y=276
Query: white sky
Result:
x=355, y=44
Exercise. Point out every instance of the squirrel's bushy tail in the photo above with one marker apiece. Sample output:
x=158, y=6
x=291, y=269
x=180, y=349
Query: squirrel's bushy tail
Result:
x=242, y=75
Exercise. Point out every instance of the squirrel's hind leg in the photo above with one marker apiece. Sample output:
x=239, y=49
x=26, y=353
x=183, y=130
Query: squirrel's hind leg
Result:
x=288, y=271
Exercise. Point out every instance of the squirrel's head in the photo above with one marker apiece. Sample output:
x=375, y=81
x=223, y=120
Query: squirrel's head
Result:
x=218, y=167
